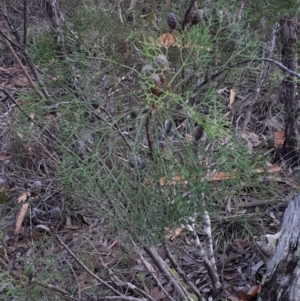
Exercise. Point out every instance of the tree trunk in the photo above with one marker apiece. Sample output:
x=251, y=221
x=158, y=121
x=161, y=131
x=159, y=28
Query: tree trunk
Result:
x=287, y=94
x=283, y=269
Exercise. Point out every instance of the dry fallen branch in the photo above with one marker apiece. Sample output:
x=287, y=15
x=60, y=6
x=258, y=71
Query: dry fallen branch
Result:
x=213, y=274
x=21, y=65
x=150, y=268
x=183, y=294
x=182, y=274
x=83, y=265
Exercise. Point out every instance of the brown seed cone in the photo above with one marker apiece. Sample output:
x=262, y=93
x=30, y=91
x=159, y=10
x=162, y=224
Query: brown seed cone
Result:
x=171, y=20
x=190, y=12
x=196, y=19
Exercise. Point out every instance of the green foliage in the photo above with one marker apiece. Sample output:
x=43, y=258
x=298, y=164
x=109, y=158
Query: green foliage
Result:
x=100, y=125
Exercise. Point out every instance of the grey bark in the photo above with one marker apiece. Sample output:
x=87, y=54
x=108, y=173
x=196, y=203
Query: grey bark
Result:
x=288, y=87
x=283, y=270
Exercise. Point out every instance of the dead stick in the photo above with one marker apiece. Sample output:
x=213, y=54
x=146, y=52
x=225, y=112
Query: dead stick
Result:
x=182, y=274
x=23, y=68
x=83, y=265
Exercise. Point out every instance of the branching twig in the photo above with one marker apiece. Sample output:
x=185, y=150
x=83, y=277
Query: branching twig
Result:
x=182, y=274
x=125, y=298
x=21, y=66
x=128, y=285
x=226, y=68
x=23, y=49
x=211, y=271
x=151, y=270
x=183, y=294
x=83, y=265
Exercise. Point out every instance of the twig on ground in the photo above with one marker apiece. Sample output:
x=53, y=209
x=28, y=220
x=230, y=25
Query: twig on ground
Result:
x=182, y=274
x=183, y=294
x=128, y=285
x=21, y=65
x=43, y=92
x=125, y=298
x=150, y=268
x=83, y=265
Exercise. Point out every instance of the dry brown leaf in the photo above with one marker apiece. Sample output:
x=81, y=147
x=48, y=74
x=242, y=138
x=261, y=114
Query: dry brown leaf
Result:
x=172, y=234
x=231, y=97
x=216, y=176
x=169, y=39
x=166, y=40
x=244, y=297
x=251, y=295
x=254, y=290
x=112, y=244
x=20, y=217
x=175, y=181
x=252, y=139
x=20, y=82
x=4, y=157
x=274, y=168
x=23, y=197
x=157, y=294
x=279, y=139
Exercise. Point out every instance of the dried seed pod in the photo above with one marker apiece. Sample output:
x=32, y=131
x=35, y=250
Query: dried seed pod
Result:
x=146, y=10
x=130, y=17
x=155, y=78
x=196, y=18
x=137, y=161
x=35, y=188
x=162, y=62
x=146, y=73
x=147, y=70
x=171, y=20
